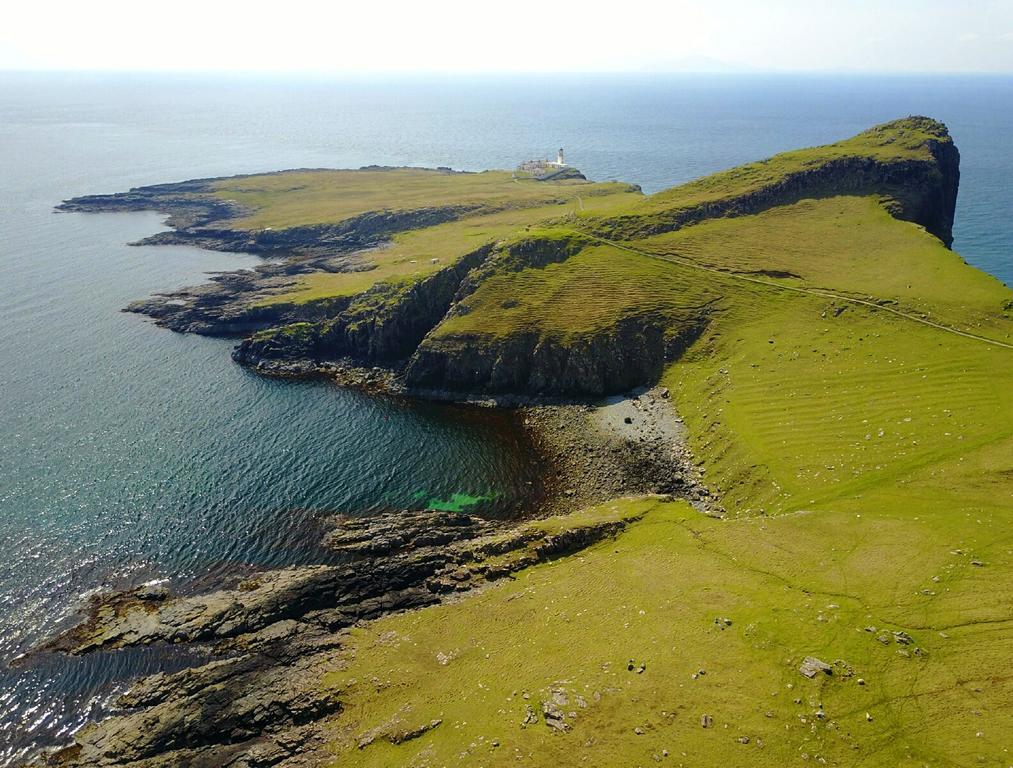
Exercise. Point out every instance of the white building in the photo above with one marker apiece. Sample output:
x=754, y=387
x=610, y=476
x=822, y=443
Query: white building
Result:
x=544, y=168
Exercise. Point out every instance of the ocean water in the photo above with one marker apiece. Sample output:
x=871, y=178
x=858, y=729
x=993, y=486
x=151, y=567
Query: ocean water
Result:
x=130, y=453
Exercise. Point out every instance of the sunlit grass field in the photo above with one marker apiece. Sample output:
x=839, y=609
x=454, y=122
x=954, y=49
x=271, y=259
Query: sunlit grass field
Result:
x=833, y=584
x=864, y=459
x=301, y=198
x=409, y=256
x=850, y=405
x=584, y=294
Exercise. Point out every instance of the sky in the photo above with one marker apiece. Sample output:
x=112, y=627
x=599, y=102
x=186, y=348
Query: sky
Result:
x=478, y=36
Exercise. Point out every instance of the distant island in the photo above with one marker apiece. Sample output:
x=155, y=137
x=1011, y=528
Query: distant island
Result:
x=777, y=416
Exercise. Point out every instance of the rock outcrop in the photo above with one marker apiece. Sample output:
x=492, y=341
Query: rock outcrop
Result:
x=923, y=191
x=911, y=165
x=632, y=353
x=264, y=699
x=382, y=325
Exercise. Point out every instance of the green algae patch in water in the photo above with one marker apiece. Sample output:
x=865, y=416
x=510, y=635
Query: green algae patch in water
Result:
x=457, y=502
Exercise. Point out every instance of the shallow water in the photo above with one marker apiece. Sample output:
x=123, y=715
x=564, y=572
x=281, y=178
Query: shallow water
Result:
x=131, y=453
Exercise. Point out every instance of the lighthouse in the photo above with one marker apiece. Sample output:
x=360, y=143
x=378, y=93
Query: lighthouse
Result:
x=559, y=157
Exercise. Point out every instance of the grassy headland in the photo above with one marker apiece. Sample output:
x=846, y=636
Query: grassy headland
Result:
x=845, y=381
x=865, y=460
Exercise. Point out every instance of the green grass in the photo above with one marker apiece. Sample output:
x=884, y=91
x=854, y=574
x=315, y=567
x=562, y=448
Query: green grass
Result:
x=805, y=407
x=301, y=198
x=409, y=255
x=849, y=245
x=865, y=460
x=791, y=586
x=587, y=293
x=899, y=140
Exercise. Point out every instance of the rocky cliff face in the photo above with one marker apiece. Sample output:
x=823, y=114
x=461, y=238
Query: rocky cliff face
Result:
x=395, y=323
x=933, y=203
x=383, y=325
x=918, y=192
x=389, y=324
x=630, y=354
x=924, y=192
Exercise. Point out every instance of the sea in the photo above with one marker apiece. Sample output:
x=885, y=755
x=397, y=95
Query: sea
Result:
x=131, y=454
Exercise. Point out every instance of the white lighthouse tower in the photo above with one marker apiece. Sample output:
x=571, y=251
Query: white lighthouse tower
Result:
x=559, y=158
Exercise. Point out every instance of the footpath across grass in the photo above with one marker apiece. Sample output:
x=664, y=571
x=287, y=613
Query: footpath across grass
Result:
x=681, y=641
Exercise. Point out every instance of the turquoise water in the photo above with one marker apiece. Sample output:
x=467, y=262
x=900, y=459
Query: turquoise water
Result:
x=130, y=453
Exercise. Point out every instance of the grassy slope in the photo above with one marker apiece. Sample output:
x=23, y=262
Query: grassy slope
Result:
x=849, y=245
x=409, y=256
x=845, y=245
x=554, y=300
x=890, y=142
x=792, y=586
x=866, y=462
x=502, y=206
x=298, y=198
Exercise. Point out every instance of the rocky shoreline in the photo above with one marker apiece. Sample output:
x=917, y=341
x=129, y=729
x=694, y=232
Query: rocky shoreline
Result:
x=229, y=304
x=630, y=445
x=261, y=695
x=270, y=637
x=593, y=450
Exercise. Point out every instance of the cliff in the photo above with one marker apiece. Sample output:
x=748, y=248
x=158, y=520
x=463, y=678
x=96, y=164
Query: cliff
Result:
x=842, y=385
x=646, y=329
x=382, y=325
x=481, y=283
x=912, y=164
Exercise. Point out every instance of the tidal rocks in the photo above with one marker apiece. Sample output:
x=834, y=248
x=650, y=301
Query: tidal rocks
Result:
x=264, y=700
x=229, y=305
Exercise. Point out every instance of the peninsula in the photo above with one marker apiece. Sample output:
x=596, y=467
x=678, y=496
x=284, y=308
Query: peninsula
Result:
x=779, y=412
